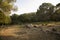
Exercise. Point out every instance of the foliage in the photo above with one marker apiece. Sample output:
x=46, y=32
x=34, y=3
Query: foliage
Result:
x=48, y=12
x=14, y=19
x=6, y=6
x=43, y=13
x=23, y=18
x=26, y=17
x=2, y=18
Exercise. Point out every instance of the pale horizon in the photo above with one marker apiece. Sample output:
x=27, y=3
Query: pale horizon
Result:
x=27, y=6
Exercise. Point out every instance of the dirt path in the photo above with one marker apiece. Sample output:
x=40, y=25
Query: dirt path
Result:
x=9, y=31
x=16, y=33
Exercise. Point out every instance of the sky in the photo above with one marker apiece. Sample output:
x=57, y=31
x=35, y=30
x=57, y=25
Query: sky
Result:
x=27, y=6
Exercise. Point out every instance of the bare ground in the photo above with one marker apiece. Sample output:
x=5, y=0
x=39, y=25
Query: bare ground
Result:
x=16, y=32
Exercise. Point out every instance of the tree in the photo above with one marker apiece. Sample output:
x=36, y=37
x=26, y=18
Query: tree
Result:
x=44, y=12
x=2, y=18
x=58, y=4
x=6, y=6
x=27, y=17
x=56, y=15
x=14, y=19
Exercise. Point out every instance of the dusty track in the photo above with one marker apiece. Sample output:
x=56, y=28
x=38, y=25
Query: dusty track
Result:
x=17, y=33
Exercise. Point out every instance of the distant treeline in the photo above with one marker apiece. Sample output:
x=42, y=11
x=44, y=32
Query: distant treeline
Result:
x=45, y=12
